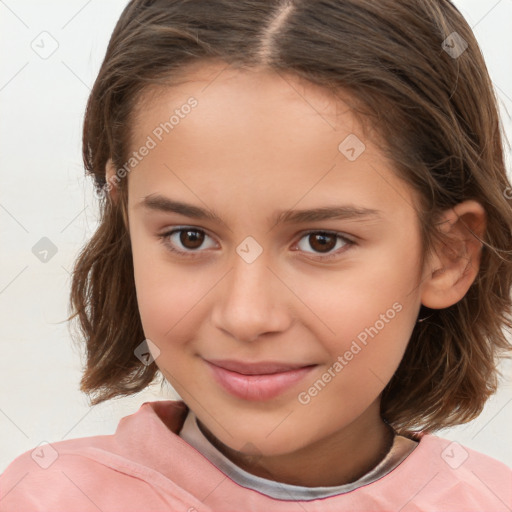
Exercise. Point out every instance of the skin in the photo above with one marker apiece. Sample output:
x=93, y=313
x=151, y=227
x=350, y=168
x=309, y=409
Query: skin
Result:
x=258, y=143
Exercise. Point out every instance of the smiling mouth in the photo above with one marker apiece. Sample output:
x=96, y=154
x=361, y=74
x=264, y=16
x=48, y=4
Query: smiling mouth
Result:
x=257, y=381
x=259, y=368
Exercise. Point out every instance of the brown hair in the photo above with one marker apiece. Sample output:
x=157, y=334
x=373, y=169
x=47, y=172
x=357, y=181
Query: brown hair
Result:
x=435, y=111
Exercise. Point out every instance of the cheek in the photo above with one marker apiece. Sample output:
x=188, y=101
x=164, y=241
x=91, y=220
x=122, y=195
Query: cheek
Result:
x=166, y=302
x=171, y=297
x=363, y=356
x=367, y=318
x=163, y=296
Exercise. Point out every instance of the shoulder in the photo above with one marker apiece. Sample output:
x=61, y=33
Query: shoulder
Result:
x=42, y=475
x=59, y=476
x=88, y=474
x=458, y=456
x=458, y=476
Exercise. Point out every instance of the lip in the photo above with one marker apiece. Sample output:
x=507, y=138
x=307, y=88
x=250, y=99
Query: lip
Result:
x=257, y=381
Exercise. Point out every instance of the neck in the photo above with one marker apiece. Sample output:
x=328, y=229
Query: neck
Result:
x=338, y=459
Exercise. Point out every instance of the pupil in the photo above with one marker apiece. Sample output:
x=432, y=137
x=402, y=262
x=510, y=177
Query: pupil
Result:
x=323, y=240
x=196, y=239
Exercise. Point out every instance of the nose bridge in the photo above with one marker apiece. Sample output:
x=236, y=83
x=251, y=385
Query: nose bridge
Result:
x=250, y=282
x=250, y=302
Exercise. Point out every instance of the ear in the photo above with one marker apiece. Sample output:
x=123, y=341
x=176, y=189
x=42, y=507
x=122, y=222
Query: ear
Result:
x=110, y=172
x=453, y=266
x=112, y=187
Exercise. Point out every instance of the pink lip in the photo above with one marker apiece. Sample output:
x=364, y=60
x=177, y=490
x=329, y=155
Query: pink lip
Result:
x=257, y=381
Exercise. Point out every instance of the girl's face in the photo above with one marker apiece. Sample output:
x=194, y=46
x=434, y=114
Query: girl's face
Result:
x=298, y=257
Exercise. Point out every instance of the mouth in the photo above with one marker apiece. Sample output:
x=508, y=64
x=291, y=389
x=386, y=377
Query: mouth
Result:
x=257, y=381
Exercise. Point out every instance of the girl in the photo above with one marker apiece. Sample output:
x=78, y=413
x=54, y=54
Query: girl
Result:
x=306, y=231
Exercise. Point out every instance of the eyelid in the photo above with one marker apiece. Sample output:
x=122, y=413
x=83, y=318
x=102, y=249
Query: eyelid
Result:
x=341, y=234
x=164, y=238
x=348, y=241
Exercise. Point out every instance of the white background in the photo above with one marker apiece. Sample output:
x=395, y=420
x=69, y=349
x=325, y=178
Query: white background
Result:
x=44, y=193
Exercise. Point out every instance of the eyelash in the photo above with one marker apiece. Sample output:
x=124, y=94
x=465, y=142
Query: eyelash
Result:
x=193, y=254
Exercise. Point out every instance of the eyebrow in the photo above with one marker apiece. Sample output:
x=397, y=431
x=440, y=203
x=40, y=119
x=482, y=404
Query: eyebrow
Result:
x=160, y=203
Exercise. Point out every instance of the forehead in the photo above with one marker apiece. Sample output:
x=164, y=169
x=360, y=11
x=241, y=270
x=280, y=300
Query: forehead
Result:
x=217, y=84
x=256, y=130
x=205, y=73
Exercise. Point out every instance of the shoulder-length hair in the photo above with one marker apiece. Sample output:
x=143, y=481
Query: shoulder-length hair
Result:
x=416, y=74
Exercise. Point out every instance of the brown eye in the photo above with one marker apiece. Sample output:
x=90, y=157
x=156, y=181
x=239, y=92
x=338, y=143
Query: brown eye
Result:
x=186, y=242
x=322, y=242
x=191, y=238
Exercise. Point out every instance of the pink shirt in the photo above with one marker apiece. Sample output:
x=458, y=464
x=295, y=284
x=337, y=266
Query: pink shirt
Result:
x=145, y=466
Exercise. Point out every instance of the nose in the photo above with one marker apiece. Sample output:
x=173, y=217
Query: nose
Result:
x=251, y=301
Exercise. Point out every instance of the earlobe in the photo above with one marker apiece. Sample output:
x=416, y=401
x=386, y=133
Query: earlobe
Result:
x=454, y=265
